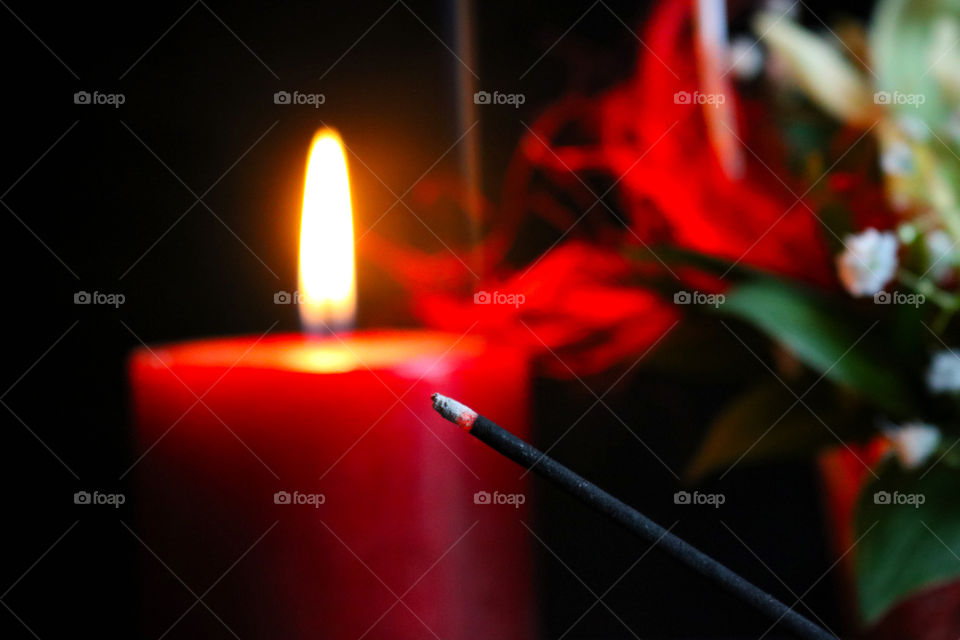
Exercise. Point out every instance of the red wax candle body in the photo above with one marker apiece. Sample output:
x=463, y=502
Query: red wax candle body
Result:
x=328, y=453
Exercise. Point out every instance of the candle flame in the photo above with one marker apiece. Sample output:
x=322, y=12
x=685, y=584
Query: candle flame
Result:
x=327, y=280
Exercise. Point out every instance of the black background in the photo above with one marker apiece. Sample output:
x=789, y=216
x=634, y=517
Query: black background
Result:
x=103, y=199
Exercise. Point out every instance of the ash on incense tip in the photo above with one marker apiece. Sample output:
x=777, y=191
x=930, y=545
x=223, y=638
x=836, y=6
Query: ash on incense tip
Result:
x=456, y=412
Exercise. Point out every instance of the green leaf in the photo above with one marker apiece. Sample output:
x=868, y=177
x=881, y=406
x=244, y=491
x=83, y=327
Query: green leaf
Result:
x=904, y=547
x=826, y=337
x=764, y=422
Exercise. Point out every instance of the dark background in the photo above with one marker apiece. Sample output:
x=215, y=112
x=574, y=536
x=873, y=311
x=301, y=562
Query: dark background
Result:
x=105, y=199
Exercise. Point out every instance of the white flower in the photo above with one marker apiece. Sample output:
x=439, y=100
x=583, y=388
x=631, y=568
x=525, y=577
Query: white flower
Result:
x=746, y=59
x=897, y=159
x=868, y=262
x=943, y=374
x=940, y=253
x=913, y=442
x=907, y=233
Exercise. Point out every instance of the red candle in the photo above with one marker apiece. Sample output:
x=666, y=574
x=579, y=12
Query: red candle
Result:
x=350, y=422
x=304, y=487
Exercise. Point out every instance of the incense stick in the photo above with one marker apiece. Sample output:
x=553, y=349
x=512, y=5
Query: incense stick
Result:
x=623, y=514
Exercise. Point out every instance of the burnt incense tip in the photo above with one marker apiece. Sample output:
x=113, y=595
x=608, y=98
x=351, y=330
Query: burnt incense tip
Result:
x=456, y=412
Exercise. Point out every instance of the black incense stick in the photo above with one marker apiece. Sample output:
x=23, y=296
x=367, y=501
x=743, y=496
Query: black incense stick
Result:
x=623, y=514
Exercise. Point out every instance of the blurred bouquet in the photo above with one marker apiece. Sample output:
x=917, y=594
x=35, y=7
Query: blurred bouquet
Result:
x=864, y=112
x=898, y=82
x=791, y=192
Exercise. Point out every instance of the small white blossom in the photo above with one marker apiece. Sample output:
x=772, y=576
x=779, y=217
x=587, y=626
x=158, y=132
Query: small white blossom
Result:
x=897, y=159
x=941, y=253
x=746, y=59
x=907, y=233
x=943, y=374
x=868, y=262
x=913, y=442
